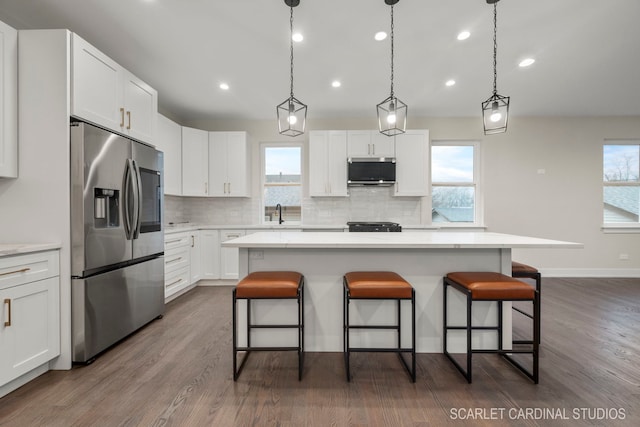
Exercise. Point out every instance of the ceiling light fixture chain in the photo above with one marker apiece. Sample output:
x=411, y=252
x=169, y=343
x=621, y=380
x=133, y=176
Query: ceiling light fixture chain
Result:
x=392, y=52
x=291, y=47
x=495, y=48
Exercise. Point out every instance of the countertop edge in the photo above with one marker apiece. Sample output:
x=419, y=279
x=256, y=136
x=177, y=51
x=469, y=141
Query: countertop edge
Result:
x=9, y=249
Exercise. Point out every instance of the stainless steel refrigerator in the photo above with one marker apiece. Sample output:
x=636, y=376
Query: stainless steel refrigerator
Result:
x=117, y=244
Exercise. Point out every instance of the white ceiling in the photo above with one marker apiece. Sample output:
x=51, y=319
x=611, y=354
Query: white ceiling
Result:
x=586, y=51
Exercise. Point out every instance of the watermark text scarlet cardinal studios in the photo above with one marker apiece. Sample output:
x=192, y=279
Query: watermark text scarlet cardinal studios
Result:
x=498, y=413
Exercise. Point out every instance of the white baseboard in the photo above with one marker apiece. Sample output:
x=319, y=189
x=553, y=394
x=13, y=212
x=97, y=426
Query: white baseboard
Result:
x=590, y=272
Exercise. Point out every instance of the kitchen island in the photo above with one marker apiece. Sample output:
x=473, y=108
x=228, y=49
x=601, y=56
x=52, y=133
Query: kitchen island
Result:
x=421, y=258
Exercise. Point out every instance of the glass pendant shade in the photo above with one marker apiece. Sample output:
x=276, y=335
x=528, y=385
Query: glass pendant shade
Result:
x=392, y=116
x=292, y=117
x=495, y=114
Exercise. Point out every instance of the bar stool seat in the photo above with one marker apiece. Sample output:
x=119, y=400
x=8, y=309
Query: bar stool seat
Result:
x=491, y=286
x=379, y=285
x=268, y=285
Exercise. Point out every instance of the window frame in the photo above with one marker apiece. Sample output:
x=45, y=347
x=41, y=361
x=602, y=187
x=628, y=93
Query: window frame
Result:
x=476, y=183
x=617, y=227
x=280, y=144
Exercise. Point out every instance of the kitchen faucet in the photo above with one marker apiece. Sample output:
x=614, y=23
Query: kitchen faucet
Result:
x=279, y=210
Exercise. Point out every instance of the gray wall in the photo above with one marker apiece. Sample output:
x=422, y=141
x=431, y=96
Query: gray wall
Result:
x=564, y=203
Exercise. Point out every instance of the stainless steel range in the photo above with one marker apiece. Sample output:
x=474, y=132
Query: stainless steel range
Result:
x=374, y=226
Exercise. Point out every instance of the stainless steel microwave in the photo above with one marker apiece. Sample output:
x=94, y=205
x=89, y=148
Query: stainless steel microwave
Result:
x=371, y=171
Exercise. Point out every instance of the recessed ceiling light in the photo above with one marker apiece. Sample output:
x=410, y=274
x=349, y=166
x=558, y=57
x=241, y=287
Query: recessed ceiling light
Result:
x=297, y=37
x=380, y=35
x=224, y=86
x=463, y=35
x=526, y=62
x=450, y=82
x=336, y=83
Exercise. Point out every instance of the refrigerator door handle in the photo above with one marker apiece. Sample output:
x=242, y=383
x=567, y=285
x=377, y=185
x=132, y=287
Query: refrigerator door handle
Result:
x=137, y=200
x=130, y=187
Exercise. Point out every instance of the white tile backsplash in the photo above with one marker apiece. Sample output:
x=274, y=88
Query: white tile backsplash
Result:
x=363, y=204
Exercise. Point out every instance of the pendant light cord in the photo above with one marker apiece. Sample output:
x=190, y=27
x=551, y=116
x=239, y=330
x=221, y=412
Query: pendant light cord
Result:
x=291, y=44
x=495, y=48
x=392, y=28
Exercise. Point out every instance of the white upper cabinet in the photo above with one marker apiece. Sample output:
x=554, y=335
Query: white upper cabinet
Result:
x=8, y=101
x=106, y=94
x=169, y=141
x=328, y=163
x=412, y=160
x=228, y=164
x=195, y=162
x=369, y=143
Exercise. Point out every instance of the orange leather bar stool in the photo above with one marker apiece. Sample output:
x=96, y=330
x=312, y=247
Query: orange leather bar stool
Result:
x=490, y=286
x=524, y=271
x=269, y=285
x=379, y=285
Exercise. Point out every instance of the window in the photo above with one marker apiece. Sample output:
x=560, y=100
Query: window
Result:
x=454, y=182
x=282, y=182
x=621, y=182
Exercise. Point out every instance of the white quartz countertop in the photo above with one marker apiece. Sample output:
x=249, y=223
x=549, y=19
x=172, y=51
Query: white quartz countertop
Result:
x=434, y=239
x=7, y=249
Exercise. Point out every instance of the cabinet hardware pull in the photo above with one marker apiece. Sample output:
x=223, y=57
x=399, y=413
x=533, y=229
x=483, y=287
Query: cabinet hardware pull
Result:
x=374, y=149
x=193, y=241
x=122, y=117
x=229, y=187
x=173, y=260
x=129, y=117
x=23, y=270
x=173, y=283
x=8, y=302
x=232, y=236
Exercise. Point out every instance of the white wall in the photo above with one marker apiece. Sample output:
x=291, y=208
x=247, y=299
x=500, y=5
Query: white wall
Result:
x=564, y=203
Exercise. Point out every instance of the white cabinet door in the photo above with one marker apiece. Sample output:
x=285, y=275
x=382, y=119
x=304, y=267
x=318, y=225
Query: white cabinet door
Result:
x=237, y=164
x=229, y=257
x=228, y=164
x=8, y=101
x=141, y=108
x=382, y=145
x=412, y=163
x=96, y=93
x=369, y=143
x=196, y=263
x=210, y=254
x=31, y=335
x=169, y=141
x=327, y=163
x=195, y=162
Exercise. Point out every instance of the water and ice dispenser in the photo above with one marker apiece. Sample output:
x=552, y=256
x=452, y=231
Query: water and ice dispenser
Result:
x=106, y=208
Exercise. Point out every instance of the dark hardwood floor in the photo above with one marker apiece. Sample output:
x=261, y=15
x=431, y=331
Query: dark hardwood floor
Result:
x=177, y=372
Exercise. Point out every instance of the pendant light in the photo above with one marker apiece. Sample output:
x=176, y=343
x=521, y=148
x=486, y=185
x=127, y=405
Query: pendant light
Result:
x=495, y=110
x=392, y=113
x=292, y=114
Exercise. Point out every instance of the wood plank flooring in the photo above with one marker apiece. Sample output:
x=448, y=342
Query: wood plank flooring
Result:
x=177, y=372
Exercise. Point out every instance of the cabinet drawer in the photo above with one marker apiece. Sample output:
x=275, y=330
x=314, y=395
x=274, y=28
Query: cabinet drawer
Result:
x=176, y=241
x=176, y=259
x=20, y=269
x=175, y=281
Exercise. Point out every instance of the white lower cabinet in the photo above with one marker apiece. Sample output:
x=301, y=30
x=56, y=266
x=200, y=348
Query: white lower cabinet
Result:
x=210, y=254
x=177, y=263
x=194, y=252
x=29, y=315
x=229, y=257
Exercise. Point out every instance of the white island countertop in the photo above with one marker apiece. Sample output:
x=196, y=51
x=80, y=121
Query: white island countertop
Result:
x=7, y=249
x=373, y=240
